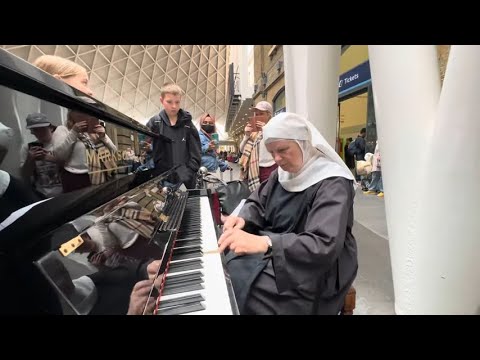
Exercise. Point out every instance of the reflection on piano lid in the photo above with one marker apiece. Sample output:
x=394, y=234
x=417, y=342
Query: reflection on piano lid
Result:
x=17, y=75
x=175, y=227
x=45, y=227
x=34, y=233
x=20, y=75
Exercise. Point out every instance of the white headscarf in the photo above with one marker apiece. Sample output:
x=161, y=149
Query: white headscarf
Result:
x=320, y=161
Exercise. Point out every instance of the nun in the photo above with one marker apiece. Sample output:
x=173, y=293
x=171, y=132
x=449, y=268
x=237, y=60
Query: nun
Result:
x=291, y=249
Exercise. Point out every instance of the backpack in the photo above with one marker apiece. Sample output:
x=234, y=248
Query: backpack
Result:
x=353, y=148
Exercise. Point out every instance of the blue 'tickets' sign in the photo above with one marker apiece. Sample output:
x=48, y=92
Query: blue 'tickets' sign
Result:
x=354, y=79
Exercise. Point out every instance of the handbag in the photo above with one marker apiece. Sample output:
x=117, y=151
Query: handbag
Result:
x=231, y=194
x=364, y=168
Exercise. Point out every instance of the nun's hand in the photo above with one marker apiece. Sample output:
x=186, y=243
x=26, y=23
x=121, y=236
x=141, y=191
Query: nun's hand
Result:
x=233, y=222
x=241, y=242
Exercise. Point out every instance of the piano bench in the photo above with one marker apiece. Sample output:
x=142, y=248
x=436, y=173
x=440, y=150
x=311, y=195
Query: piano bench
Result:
x=349, y=305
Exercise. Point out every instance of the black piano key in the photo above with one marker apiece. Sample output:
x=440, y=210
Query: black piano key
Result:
x=186, y=234
x=187, y=255
x=182, y=309
x=188, y=238
x=188, y=249
x=192, y=264
x=183, y=281
x=189, y=242
x=182, y=300
x=179, y=278
x=193, y=215
x=190, y=230
x=186, y=228
x=189, y=226
x=181, y=289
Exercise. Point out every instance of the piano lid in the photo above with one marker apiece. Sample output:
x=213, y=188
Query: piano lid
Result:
x=20, y=75
x=25, y=90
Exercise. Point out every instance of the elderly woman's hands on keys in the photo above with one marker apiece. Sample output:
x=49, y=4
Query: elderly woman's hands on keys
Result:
x=239, y=241
x=233, y=222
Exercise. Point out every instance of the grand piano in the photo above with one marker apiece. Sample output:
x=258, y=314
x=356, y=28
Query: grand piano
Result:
x=136, y=217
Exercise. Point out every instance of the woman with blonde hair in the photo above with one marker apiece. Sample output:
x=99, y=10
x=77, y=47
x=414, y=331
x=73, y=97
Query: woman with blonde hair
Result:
x=73, y=147
x=66, y=70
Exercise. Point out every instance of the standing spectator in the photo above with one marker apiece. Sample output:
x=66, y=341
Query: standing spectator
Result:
x=80, y=170
x=71, y=148
x=38, y=165
x=349, y=158
x=175, y=124
x=210, y=159
x=69, y=72
x=376, y=186
x=256, y=162
x=13, y=192
x=357, y=148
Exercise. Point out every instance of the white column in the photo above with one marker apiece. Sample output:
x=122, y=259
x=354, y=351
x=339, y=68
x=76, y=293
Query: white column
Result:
x=406, y=88
x=448, y=249
x=311, y=85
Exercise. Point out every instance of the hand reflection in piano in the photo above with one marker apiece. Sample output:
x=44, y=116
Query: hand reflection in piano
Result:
x=141, y=294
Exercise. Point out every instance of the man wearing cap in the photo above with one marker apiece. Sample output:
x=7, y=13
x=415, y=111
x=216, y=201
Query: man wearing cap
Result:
x=13, y=192
x=256, y=162
x=38, y=165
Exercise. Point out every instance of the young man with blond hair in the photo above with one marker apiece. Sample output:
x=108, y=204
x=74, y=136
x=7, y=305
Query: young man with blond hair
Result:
x=175, y=124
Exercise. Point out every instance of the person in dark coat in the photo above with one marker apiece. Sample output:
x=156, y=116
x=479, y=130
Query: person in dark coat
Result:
x=291, y=249
x=184, y=149
x=349, y=158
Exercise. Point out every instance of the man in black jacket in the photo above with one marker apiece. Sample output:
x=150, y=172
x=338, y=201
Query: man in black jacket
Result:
x=175, y=124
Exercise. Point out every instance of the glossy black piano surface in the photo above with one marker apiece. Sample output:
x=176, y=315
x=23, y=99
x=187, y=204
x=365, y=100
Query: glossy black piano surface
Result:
x=145, y=223
x=123, y=221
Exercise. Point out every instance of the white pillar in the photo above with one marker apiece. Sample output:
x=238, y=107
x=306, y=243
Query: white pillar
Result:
x=311, y=85
x=448, y=265
x=406, y=88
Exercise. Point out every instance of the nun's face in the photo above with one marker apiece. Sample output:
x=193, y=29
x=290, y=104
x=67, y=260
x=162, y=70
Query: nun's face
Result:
x=287, y=154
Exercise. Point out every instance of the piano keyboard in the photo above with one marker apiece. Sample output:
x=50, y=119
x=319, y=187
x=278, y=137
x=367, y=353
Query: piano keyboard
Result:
x=195, y=282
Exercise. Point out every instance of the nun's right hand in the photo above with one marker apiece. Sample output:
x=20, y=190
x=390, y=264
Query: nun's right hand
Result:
x=233, y=222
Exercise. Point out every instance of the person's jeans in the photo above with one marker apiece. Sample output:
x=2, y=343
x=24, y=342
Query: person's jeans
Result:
x=376, y=184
